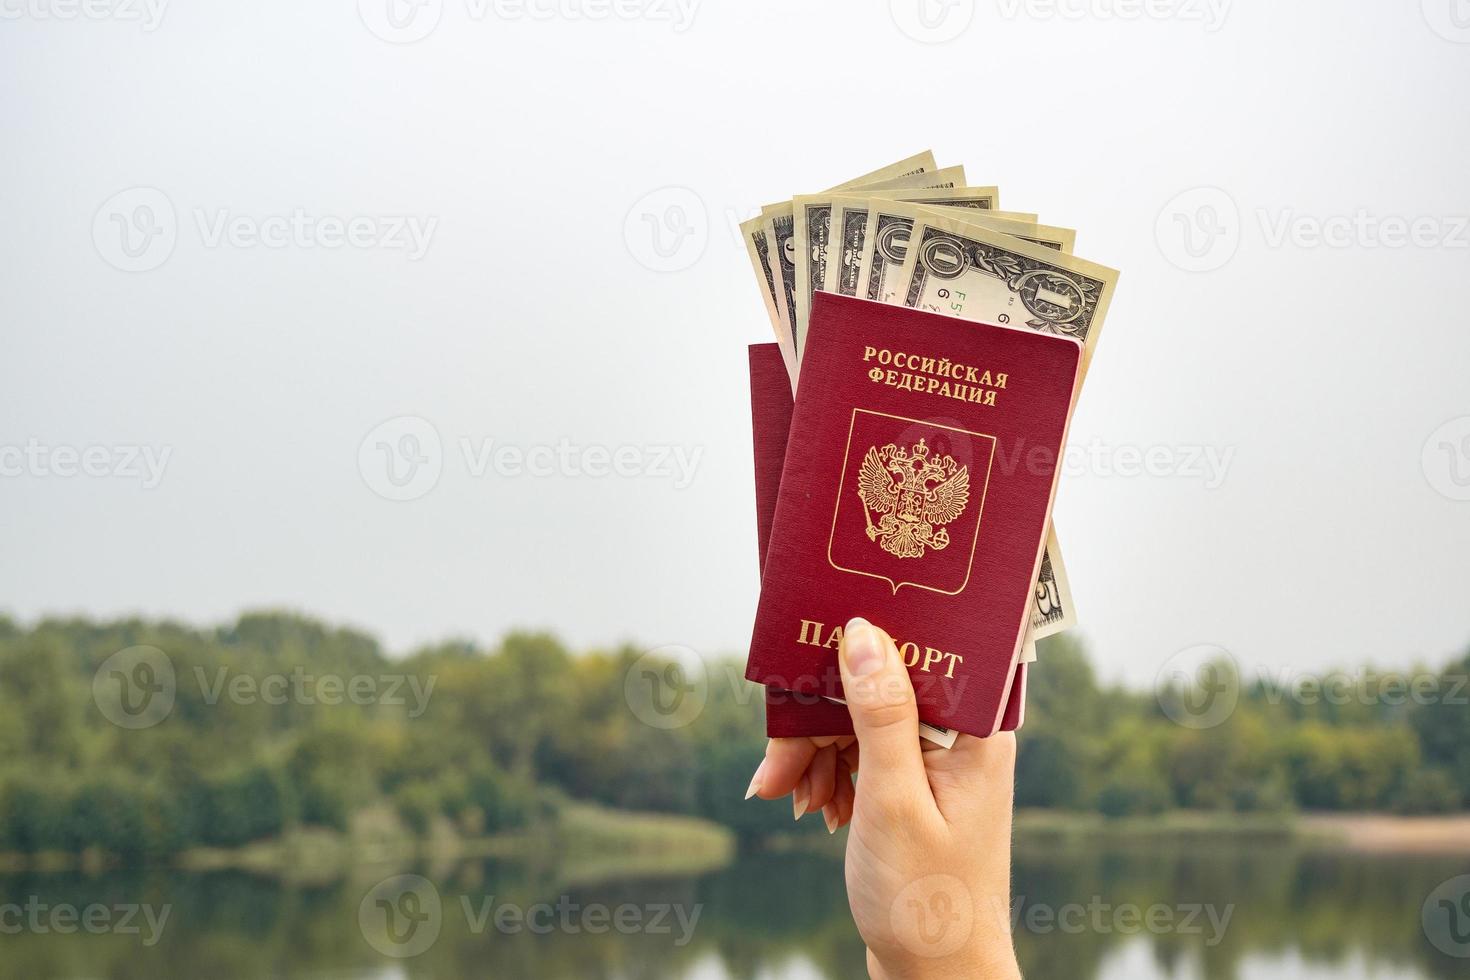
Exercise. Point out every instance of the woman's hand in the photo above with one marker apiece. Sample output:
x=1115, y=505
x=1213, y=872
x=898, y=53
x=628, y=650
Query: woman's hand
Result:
x=928, y=857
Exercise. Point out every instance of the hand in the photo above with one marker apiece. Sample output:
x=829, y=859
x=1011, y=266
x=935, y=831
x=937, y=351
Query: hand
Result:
x=928, y=858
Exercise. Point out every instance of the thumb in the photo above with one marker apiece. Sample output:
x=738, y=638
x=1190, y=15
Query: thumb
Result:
x=885, y=717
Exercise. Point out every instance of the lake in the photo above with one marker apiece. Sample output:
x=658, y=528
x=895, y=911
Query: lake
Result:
x=1232, y=911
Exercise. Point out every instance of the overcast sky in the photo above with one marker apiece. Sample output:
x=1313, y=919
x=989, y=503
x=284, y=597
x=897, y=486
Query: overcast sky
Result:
x=238, y=239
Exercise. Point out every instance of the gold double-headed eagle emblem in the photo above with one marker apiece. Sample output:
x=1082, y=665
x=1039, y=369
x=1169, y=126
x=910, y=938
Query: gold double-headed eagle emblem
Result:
x=913, y=495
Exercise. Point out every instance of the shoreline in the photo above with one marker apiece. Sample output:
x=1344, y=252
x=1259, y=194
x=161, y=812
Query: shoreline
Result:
x=1356, y=833
x=609, y=842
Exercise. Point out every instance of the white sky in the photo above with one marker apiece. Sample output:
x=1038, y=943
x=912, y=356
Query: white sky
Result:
x=530, y=320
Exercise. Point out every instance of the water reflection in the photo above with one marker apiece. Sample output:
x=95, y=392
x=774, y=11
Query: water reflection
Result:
x=1146, y=912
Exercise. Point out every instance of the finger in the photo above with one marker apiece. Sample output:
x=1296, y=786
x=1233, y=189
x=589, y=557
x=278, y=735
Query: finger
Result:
x=821, y=778
x=839, y=811
x=781, y=770
x=975, y=780
x=885, y=717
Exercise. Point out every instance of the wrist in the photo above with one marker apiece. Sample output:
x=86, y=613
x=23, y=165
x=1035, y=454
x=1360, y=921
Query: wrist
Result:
x=993, y=964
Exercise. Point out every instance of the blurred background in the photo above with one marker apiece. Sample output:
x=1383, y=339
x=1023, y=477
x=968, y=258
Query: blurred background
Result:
x=375, y=494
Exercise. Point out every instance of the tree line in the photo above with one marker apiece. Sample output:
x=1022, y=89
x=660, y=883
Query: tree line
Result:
x=278, y=721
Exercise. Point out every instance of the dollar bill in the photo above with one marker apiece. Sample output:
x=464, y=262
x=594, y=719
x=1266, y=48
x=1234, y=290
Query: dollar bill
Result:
x=758, y=247
x=1053, y=612
x=813, y=226
x=892, y=224
x=962, y=268
x=1028, y=651
x=849, y=226
x=785, y=247
x=779, y=222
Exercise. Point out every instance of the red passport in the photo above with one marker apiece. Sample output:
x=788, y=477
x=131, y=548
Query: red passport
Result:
x=915, y=491
x=789, y=715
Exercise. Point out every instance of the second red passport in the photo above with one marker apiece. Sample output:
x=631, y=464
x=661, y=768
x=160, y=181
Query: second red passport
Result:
x=915, y=492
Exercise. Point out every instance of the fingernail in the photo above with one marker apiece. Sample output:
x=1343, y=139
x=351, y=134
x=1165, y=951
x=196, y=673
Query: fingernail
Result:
x=861, y=647
x=829, y=814
x=800, y=798
x=755, y=781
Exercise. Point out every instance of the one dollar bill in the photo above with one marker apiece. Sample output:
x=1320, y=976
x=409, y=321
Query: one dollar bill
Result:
x=964, y=269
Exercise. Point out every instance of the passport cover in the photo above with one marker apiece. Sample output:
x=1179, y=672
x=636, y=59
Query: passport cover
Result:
x=916, y=487
x=789, y=715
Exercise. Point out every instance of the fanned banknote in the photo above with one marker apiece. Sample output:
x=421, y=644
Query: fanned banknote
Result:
x=964, y=269
x=892, y=223
x=848, y=225
x=761, y=247
x=758, y=247
x=789, y=242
